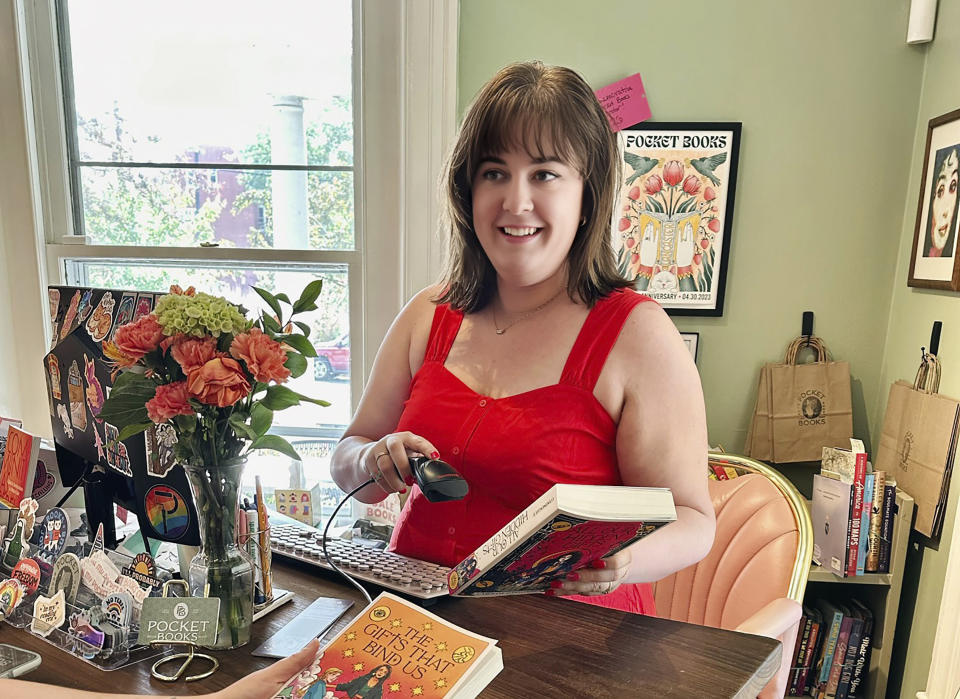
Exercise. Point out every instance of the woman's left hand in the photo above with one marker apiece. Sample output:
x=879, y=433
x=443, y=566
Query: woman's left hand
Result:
x=601, y=577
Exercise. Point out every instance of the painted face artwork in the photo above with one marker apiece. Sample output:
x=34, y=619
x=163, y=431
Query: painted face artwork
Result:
x=944, y=203
x=526, y=212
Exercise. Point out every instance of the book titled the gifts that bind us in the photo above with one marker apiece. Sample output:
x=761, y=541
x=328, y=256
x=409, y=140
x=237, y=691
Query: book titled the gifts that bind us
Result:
x=567, y=528
x=394, y=648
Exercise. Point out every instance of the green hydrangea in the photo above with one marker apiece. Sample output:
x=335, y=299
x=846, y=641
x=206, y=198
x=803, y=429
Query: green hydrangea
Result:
x=199, y=315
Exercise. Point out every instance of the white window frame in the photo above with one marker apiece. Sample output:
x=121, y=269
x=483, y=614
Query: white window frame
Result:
x=405, y=117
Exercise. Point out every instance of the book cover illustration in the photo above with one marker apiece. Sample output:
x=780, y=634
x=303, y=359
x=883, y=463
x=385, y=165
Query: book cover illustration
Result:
x=18, y=466
x=393, y=649
x=562, y=545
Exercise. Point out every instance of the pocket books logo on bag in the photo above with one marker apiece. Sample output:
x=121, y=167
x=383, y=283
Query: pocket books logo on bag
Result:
x=811, y=408
x=905, y=450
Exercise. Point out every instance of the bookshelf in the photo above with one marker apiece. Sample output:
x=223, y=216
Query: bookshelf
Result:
x=880, y=592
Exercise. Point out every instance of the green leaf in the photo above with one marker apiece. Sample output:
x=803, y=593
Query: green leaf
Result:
x=282, y=297
x=127, y=402
x=315, y=401
x=279, y=397
x=299, y=343
x=296, y=363
x=241, y=428
x=308, y=296
x=186, y=424
x=270, y=299
x=270, y=325
x=304, y=327
x=272, y=441
x=261, y=418
x=131, y=430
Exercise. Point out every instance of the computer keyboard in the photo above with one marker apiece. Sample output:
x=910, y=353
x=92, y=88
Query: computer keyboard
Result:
x=401, y=573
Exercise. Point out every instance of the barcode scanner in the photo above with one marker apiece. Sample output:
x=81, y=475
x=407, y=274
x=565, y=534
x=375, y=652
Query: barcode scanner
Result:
x=438, y=480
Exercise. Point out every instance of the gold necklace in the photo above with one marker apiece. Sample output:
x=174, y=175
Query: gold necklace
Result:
x=523, y=316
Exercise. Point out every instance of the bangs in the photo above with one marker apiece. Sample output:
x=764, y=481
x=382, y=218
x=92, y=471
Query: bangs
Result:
x=532, y=122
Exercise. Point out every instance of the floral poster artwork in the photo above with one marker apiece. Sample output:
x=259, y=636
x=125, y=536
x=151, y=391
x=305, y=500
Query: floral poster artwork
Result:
x=672, y=224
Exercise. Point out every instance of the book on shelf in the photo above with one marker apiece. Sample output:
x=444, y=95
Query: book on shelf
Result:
x=850, y=656
x=876, y=518
x=563, y=530
x=395, y=648
x=865, y=522
x=861, y=667
x=829, y=689
x=18, y=467
x=830, y=514
x=806, y=642
x=886, y=525
x=849, y=466
x=832, y=621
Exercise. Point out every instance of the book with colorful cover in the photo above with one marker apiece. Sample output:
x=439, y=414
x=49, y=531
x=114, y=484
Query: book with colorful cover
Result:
x=865, y=522
x=394, y=648
x=832, y=619
x=565, y=529
x=18, y=468
x=876, y=519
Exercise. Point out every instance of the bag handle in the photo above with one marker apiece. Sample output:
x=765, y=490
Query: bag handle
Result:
x=805, y=341
x=928, y=374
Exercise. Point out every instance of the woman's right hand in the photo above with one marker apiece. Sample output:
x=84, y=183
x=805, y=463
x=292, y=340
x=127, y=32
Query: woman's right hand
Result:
x=386, y=462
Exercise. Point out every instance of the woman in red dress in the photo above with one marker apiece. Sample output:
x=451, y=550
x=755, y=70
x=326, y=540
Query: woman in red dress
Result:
x=533, y=362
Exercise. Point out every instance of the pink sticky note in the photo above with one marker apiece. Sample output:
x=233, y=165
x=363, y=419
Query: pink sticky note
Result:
x=625, y=102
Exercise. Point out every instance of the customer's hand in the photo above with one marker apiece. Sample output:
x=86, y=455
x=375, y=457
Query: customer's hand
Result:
x=264, y=683
x=601, y=577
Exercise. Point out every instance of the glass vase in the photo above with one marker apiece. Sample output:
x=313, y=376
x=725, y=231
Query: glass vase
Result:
x=221, y=569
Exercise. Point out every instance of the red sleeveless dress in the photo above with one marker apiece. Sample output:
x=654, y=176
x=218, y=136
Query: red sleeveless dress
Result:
x=512, y=449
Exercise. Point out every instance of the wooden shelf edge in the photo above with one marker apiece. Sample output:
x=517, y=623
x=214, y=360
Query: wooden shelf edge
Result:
x=818, y=574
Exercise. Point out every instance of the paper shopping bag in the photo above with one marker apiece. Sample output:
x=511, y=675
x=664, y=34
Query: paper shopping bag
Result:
x=918, y=444
x=810, y=404
x=758, y=443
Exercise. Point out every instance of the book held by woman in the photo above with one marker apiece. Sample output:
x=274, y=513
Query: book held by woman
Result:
x=566, y=528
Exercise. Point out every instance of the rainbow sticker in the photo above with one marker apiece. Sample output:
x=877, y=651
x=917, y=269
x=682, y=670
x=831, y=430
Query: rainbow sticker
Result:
x=167, y=511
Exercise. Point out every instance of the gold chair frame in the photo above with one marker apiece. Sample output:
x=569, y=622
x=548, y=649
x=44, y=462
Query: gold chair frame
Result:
x=798, y=504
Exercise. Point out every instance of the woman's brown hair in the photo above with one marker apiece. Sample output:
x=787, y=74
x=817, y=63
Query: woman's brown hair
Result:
x=534, y=107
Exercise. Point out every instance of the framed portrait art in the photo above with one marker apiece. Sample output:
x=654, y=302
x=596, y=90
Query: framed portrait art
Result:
x=934, y=262
x=672, y=224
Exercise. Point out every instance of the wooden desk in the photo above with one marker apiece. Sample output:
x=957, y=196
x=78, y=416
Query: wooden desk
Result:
x=551, y=648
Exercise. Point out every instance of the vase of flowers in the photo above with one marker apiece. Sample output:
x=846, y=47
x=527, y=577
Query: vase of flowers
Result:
x=199, y=365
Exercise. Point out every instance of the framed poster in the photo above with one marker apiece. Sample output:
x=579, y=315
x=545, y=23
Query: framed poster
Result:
x=691, y=340
x=934, y=263
x=672, y=223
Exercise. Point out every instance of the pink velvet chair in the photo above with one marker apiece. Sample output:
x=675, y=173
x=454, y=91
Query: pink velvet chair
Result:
x=754, y=577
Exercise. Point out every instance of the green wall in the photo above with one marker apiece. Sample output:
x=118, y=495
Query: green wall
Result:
x=828, y=93
x=912, y=313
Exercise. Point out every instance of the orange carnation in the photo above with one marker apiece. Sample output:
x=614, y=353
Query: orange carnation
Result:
x=192, y=353
x=170, y=399
x=136, y=339
x=219, y=382
x=263, y=356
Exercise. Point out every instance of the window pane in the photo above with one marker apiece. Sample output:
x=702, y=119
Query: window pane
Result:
x=234, y=208
x=327, y=377
x=213, y=81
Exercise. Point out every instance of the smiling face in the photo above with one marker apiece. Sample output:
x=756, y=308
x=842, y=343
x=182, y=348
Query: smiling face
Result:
x=944, y=201
x=526, y=211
